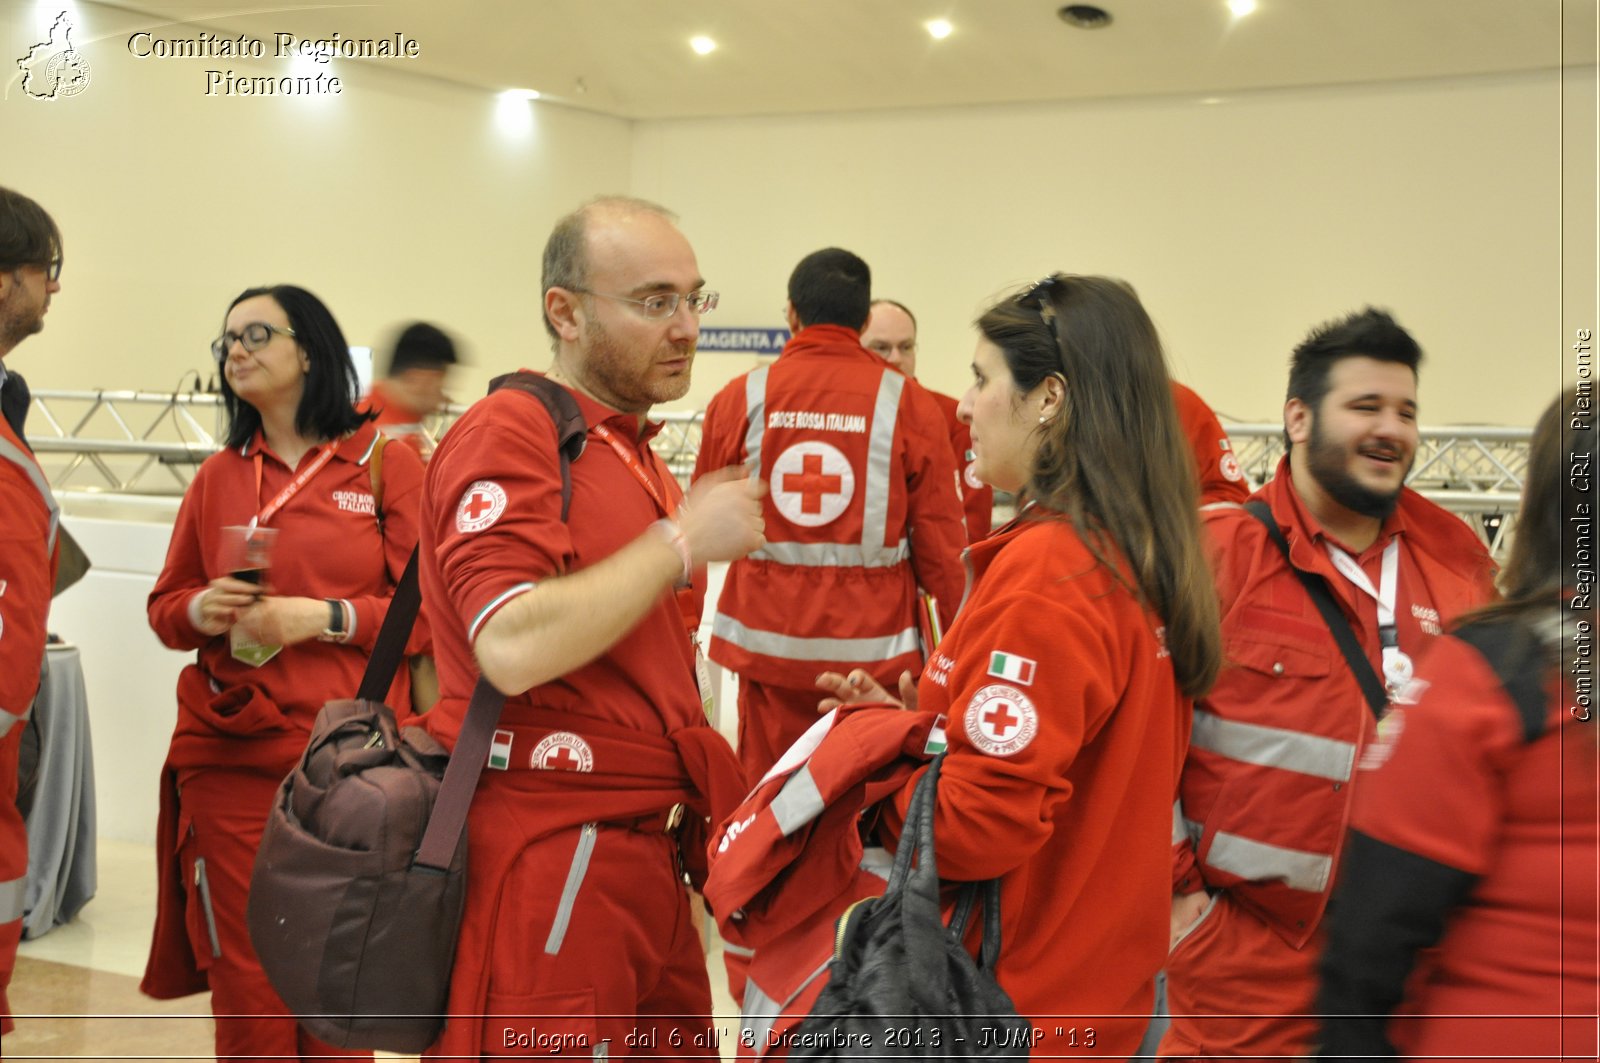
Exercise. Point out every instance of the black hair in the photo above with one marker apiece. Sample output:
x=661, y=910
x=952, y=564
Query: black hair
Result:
x=28, y=235
x=1369, y=333
x=326, y=408
x=422, y=346
x=831, y=287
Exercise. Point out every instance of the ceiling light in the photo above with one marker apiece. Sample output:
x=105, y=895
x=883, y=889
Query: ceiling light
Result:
x=521, y=94
x=1085, y=16
x=702, y=45
x=939, y=28
x=1241, y=8
x=512, y=115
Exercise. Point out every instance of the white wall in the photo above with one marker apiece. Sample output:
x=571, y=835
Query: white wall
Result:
x=1242, y=223
x=398, y=199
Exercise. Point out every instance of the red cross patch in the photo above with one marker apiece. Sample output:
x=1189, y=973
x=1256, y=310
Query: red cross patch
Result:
x=480, y=506
x=561, y=751
x=1001, y=720
x=812, y=483
x=1230, y=468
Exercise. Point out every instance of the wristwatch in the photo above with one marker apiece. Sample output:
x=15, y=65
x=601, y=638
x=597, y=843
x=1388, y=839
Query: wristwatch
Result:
x=334, y=632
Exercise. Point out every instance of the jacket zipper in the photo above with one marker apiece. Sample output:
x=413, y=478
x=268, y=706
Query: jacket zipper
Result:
x=569, y=892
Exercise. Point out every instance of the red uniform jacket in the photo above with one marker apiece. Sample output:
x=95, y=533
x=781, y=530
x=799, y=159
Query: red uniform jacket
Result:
x=788, y=862
x=1066, y=733
x=1452, y=778
x=1266, y=790
x=1221, y=479
x=862, y=509
x=977, y=497
x=395, y=420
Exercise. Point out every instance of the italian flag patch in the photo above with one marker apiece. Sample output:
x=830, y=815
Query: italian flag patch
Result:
x=1015, y=669
x=500, y=750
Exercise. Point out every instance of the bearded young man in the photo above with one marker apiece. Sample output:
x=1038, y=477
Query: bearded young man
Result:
x=1265, y=790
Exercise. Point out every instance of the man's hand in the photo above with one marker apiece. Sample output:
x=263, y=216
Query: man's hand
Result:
x=284, y=621
x=721, y=518
x=222, y=602
x=1186, y=908
x=859, y=687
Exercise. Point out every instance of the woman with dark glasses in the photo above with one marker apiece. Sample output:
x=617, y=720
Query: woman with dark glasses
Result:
x=1089, y=625
x=284, y=556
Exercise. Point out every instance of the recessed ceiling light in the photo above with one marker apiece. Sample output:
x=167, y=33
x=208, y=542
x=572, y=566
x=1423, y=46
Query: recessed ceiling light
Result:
x=702, y=45
x=1085, y=16
x=521, y=94
x=939, y=28
x=1241, y=8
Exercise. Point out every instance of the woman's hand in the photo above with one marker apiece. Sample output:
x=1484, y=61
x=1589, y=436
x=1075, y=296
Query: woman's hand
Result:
x=222, y=602
x=859, y=686
x=284, y=621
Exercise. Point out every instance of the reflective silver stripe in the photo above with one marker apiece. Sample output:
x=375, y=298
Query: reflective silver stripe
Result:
x=1260, y=862
x=795, y=648
x=1274, y=747
x=30, y=468
x=8, y=720
x=833, y=555
x=798, y=803
x=11, y=899
x=755, y=406
x=501, y=599
x=760, y=1012
x=877, y=861
x=737, y=950
x=1220, y=505
x=569, y=892
x=1180, y=832
x=880, y=462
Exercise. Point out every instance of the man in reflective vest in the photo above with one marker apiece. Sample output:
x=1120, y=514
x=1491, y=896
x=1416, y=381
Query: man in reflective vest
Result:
x=862, y=510
x=891, y=334
x=30, y=272
x=1266, y=788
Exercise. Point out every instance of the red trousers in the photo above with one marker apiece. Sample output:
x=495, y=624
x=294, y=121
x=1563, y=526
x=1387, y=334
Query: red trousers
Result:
x=771, y=718
x=13, y=867
x=585, y=937
x=221, y=818
x=1238, y=991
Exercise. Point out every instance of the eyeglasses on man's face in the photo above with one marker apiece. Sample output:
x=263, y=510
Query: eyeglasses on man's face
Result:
x=252, y=338
x=663, y=304
x=51, y=269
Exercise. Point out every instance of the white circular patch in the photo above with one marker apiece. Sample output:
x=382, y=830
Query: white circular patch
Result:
x=812, y=483
x=1230, y=468
x=972, y=477
x=480, y=506
x=562, y=751
x=1001, y=720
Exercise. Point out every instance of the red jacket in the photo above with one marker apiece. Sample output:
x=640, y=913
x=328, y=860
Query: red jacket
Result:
x=1453, y=780
x=394, y=420
x=1066, y=733
x=977, y=497
x=1266, y=788
x=861, y=511
x=29, y=524
x=1221, y=479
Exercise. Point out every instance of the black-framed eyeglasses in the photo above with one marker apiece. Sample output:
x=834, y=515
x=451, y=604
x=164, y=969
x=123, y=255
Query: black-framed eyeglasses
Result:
x=663, y=304
x=252, y=338
x=50, y=268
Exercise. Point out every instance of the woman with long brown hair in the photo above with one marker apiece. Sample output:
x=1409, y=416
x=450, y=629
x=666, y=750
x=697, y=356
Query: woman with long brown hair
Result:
x=1089, y=625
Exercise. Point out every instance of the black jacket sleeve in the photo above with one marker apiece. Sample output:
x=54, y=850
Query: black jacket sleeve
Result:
x=1389, y=904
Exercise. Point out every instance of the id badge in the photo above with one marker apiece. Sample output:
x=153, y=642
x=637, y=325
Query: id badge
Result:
x=247, y=650
x=702, y=678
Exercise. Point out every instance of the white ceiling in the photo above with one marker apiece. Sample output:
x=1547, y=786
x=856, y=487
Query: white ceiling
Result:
x=631, y=58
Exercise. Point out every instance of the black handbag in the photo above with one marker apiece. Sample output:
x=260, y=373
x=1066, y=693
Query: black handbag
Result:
x=902, y=985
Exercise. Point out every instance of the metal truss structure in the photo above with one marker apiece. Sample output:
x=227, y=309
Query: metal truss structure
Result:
x=149, y=443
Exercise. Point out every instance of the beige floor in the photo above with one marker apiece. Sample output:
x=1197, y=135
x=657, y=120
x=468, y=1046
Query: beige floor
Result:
x=76, y=990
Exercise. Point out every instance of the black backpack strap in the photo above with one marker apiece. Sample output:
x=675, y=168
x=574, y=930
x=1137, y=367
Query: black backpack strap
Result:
x=1372, y=687
x=1512, y=650
x=572, y=433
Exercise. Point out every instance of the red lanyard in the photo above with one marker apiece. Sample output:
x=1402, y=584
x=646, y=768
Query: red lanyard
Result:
x=271, y=508
x=630, y=458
